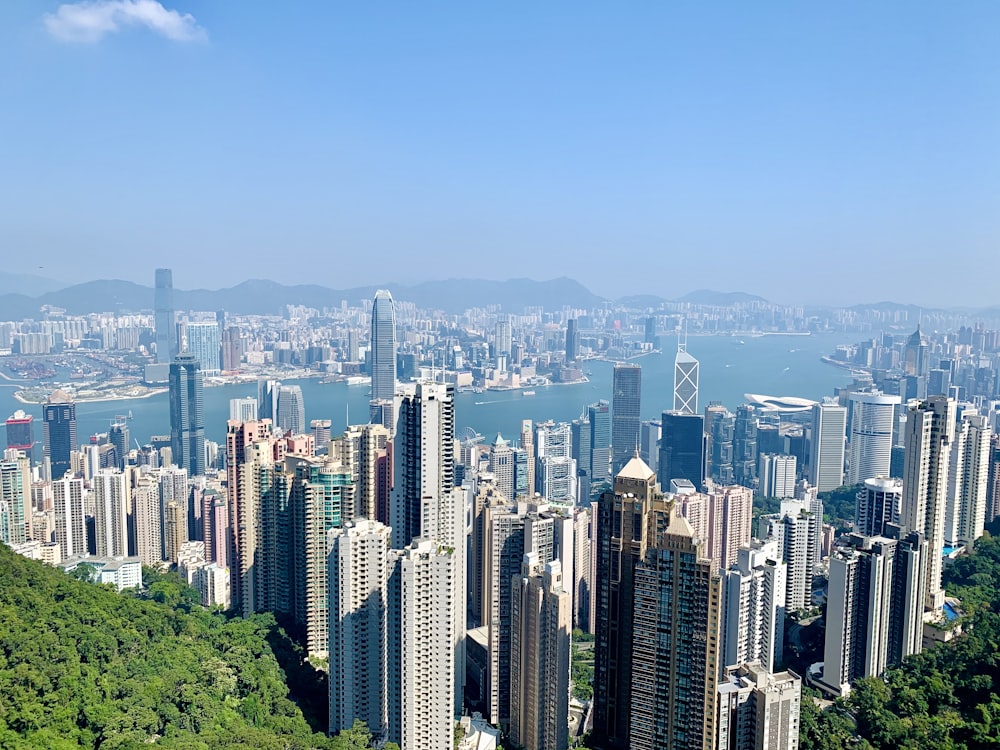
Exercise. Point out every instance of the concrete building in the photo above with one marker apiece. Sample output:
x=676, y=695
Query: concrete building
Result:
x=777, y=475
x=501, y=466
x=112, y=498
x=555, y=467
x=243, y=409
x=968, y=477
x=204, y=344
x=15, y=497
x=826, y=448
x=69, y=498
x=754, y=611
x=879, y=502
x=758, y=709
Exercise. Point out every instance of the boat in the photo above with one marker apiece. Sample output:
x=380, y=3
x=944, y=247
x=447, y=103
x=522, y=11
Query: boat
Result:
x=527, y=393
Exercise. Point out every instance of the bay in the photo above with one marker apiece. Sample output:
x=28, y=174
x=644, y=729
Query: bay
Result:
x=730, y=367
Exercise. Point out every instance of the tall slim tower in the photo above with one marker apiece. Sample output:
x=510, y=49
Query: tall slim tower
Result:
x=930, y=437
x=826, y=458
x=203, y=342
x=872, y=418
x=291, y=409
x=112, y=505
x=383, y=347
x=15, y=497
x=625, y=413
x=187, y=414
x=166, y=328
x=59, y=427
x=685, y=380
x=682, y=448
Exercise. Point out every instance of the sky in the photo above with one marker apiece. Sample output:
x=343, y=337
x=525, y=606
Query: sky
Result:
x=827, y=153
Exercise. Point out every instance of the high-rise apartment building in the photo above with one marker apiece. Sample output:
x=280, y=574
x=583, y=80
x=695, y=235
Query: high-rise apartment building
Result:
x=423, y=456
x=625, y=413
x=148, y=521
x=68, y=500
x=166, y=328
x=879, y=502
x=203, y=342
x=232, y=349
x=187, y=414
x=722, y=520
x=360, y=566
x=15, y=497
x=968, y=477
x=528, y=447
x=243, y=409
x=754, y=614
x=383, y=348
x=542, y=619
x=682, y=448
x=826, y=456
x=758, y=709
x=59, y=428
x=777, y=475
x=872, y=417
x=370, y=447
x=112, y=505
x=930, y=437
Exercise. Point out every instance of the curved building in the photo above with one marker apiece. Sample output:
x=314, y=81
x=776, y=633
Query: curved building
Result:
x=879, y=502
x=872, y=417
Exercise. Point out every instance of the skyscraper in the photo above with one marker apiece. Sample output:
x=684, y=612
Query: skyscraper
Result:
x=879, y=502
x=383, y=347
x=267, y=400
x=685, y=381
x=968, y=477
x=826, y=458
x=21, y=433
x=187, y=414
x=243, y=409
x=599, y=419
x=501, y=466
x=118, y=434
x=59, y=428
x=15, y=497
x=758, y=710
x=625, y=413
x=166, y=329
x=754, y=615
x=203, y=342
x=777, y=475
x=369, y=458
x=291, y=410
x=682, y=448
x=572, y=340
x=930, y=436
x=555, y=467
x=112, y=504
x=872, y=417
x=68, y=500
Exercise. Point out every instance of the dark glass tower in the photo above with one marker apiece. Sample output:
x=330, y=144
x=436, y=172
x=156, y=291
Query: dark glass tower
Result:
x=59, y=417
x=572, y=340
x=163, y=304
x=682, y=449
x=625, y=422
x=187, y=414
x=383, y=350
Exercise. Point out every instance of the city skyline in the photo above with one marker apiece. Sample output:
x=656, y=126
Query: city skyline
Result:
x=541, y=132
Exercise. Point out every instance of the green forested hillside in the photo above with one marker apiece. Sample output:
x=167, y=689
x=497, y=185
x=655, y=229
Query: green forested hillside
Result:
x=84, y=667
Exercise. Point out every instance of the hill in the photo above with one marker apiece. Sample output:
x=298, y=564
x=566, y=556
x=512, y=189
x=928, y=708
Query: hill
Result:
x=82, y=666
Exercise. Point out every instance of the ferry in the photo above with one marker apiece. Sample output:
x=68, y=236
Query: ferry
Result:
x=527, y=393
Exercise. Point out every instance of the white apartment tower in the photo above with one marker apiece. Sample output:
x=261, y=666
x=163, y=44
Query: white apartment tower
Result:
x=754, y=612
x=758, y=710
x=112, y=504
x=968, y=476
x=826, y=457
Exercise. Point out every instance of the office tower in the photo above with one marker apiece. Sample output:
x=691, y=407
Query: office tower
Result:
x=112, y=504
x=166, y=328
x=625, y=413
x=874, y=606
x=244, y=499
x=148, y=521
x=360, y=565
x=745, y=446
x=623, y=519
x=968, y=476
x=528, y=446
x=187, y=414
x=826, y=456
x=203, y=342
x=541, y=612
x=916, y=360
x=243, y=409
x=422, y=686
x=232, y=349
x=118, y=435
x=649, y=332
x=649, y=443
x=685, y=381
x=423, y=455
x=582, y=585
x=879, y=502
x=675, y=643
x=599, y=420
x=267, y=400
x=503, y=341
x=21, y=433
x=555, y=468
x=291, y=410
x=872, y=416
x=580, y=437
x=370, y=446
x=993, y=479
x=383, y=347
x=754, y=615
x=68, y=501
x=321, y=430
x=572, y=340
x=682, y=448
x=777, y=475
x=318, y=489
x=758, y=710
x=59, y=432
x=15, y=497
x=720, y=425
x=930, y=435
x=501, y=466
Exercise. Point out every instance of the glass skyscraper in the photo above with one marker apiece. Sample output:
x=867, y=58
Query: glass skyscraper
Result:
x=625, y=421
x=203, y=342
x=163, y=303
x=383, y=348
x=59, y=426
x=187, y=414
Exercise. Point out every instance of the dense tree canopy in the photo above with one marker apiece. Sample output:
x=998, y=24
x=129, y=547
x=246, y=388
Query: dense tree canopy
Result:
x=84, y=667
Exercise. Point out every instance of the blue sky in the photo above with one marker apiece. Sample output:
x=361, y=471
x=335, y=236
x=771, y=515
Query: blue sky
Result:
x=803, y=151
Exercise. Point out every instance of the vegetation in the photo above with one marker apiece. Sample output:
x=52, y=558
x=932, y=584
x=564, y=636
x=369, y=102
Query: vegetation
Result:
x=84, y=667
x=582, y=665
x=839, y=505
x=945, y=698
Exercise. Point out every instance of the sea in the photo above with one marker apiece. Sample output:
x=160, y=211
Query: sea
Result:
x=730, y=366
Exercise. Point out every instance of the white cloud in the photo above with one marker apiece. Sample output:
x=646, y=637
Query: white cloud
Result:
x=92, y=20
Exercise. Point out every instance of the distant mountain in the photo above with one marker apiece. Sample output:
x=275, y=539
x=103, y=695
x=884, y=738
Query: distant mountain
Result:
x=724, y=299
x=264, y=297
x=27, y=284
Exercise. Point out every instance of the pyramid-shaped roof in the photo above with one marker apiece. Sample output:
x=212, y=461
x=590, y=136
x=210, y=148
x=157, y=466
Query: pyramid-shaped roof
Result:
x=636, y=468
